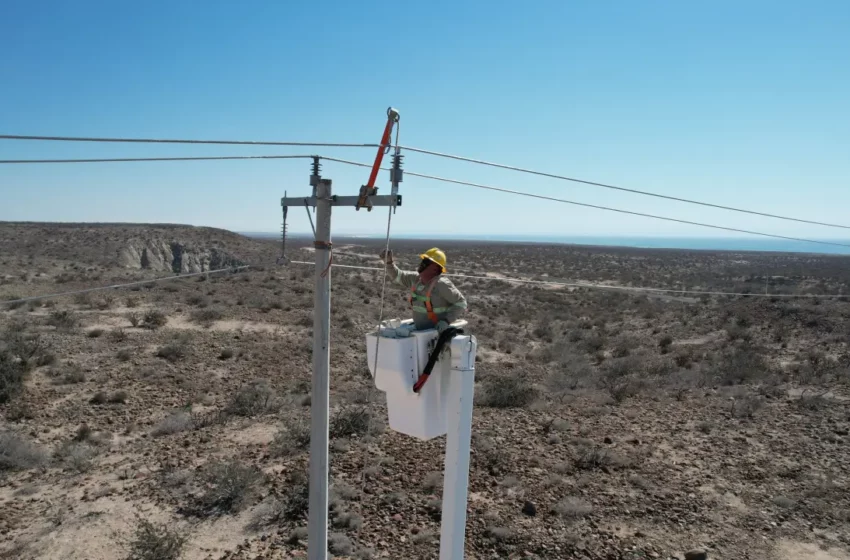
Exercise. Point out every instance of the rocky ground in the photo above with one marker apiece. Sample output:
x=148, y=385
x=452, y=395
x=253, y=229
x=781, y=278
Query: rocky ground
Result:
x=169, y=420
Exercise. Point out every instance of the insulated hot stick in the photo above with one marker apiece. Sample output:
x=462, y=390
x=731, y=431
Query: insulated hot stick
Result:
x=369, y=189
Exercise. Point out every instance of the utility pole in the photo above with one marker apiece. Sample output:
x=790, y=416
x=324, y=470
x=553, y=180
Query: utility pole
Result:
x=318, y=525
x=323, y=200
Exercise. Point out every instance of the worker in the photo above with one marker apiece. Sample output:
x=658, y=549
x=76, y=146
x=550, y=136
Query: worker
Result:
x=435, y=301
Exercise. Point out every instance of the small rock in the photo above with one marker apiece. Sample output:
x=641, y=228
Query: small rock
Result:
x=608, y=440
x=696, y=554
x=529, y=509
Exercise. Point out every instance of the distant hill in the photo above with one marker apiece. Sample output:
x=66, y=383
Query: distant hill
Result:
x=159, y=247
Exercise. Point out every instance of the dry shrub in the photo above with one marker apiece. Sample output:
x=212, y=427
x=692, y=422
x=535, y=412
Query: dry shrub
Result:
x=573, y=508
x=351, y=421
x=293, y=437
x=16, y=453
x=741, y=366
x=63, y=320
x=508, y=392
x=175, y=350
x=207, y=317
x=227, y=486
x=12, y=376
x=154, y=319
x=255, y=397
x=153, y=541
x=176, y=422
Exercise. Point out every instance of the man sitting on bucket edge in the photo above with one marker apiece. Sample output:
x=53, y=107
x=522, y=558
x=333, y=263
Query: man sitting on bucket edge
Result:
x=435, y=301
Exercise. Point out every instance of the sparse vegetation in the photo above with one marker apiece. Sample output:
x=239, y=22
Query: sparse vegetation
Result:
x=227, y=486
x=17, y=453
x=252, y=399
x=294, y=436
x=95, y=333
x=573, y=508
x=156, y=541
x=63, y=320
x=630, y=411
x=174, y=423
x=207, y=316
x=508, y=392
x=350, y=421
x=154, y=319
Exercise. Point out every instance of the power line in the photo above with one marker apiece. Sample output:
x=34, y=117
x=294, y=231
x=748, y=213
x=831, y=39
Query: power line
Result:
x=680, y=291
x=117, y=286
x=181, y=141
x=112, y=160
x=598, y=207
x=622, y=189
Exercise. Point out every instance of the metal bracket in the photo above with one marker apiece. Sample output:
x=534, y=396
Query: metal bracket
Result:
x=378, y=200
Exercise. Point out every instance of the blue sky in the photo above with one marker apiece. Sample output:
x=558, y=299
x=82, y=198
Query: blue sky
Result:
x=740, y=103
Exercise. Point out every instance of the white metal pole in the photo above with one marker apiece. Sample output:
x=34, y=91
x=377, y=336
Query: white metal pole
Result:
x=317, y=547
x=456, y=476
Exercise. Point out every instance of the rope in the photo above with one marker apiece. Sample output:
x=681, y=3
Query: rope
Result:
x=597, y=207
x=604, y=287
x=117, y=286
x=181, y=141
x=386, y=272
x=621, y=189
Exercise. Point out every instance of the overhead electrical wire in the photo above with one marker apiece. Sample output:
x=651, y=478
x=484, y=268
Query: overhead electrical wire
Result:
x=183, y=141
x=618, y=188
x=411, y=149
x=680, y=291
x=117, y=286
x=598, y=207
x=114, y=160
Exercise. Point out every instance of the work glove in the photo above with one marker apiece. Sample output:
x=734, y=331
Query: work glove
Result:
x=387, y=256
x=442, y=325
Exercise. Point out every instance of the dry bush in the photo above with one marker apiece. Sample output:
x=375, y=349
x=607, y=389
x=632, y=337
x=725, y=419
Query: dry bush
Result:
x=812, y=401
x=592, y=457
x=68, y=374
x=207, y=316
x=255, y=397
x=124, y=355
x=175, y=350
x=154, y=319
x=134, y=318
x=340, y=544
x=293, y=437
x=507, y=392
x=153, y=541
x=16, y=453
x=573, y=508
x=28, y=348
x=226, y=354
x=95, y=333
x=747, y=406
x=77, y=455
x=174, y=423
x=227, y=486
x=741, y=366
x=12, y=376
x=63, y=320
x=198, y=300
x=350, y=421
x=293, y=506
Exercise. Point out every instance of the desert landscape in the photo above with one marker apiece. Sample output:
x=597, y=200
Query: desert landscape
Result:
x=171, y=419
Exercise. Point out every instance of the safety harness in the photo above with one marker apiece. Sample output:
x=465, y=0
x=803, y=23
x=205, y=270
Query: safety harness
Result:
x=426, y=299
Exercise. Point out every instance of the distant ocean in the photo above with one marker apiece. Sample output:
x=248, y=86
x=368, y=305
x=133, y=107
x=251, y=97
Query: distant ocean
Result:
x=692, y=243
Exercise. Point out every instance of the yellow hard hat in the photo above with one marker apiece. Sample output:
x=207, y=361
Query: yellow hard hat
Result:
x=435, y=255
